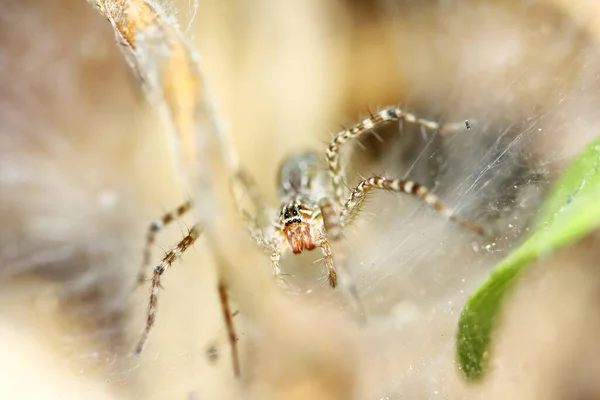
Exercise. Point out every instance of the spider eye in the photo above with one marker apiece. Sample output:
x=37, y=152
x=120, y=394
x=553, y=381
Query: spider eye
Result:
x=286, y=215
x=294, y=212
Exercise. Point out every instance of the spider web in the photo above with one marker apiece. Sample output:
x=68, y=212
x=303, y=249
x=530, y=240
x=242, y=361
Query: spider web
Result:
x=75, y=206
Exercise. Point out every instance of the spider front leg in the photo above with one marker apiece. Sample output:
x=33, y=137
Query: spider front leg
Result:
x=251, y=188
x=327, y=255
x=333, y=227
x=275, y=258
x=357, y=197
x=164, y=264
x=381, y=117
x=153, y=230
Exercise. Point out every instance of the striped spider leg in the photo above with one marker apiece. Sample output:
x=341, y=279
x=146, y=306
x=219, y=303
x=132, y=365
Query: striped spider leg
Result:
x=250, y=187
x=176, y=252
x=155, y=227
x=160, y=269
x=350, y=206
x=165, y=264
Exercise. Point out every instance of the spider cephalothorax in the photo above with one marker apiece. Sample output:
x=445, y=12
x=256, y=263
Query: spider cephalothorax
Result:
x=297, y=222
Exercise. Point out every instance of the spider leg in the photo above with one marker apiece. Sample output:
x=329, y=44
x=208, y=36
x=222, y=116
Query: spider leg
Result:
x=153, y=230
x=331, y=219
x=333, y=227
x=358, y=195
x=275, y=259
x=224, y=298
x=255, y=223
x=271, y=244
x=326, y=249
x=388, y=114
x=164, y=264
x=251, y=189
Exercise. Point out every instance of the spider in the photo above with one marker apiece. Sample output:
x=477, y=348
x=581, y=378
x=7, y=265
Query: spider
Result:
x=315, y=210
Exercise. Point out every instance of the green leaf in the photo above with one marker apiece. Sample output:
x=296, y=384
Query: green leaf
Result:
x=571, y=210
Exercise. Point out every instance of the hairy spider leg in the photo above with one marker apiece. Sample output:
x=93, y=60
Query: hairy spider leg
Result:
x=333, y=229
x=160, y=269
x=359, y=193
x=153, y=230
x=275, y=259
x=166, y=263
x=388, y=114
x=333, y=232
x=251, y=189
x=328, y=257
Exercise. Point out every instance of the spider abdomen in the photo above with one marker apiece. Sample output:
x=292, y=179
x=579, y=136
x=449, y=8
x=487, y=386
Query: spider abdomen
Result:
x=302, y=174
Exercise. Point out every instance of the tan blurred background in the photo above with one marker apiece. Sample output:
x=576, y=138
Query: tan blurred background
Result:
x=85, y=165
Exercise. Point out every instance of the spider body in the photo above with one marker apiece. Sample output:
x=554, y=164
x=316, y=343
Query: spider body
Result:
x=299, y=225
x=303, y=175
x=301, y=182
x=315, y=209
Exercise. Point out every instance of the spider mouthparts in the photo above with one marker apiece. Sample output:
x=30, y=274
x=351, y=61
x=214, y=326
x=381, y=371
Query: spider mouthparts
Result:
x=299, y=237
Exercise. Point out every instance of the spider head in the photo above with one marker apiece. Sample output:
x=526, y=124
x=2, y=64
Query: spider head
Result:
x=296, y=222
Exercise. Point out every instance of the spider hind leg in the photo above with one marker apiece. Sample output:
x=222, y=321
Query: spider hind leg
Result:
x=154, y=228
x=355, y=201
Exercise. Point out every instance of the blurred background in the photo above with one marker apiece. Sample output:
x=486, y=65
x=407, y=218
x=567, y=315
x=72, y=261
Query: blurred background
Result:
x=86, y=164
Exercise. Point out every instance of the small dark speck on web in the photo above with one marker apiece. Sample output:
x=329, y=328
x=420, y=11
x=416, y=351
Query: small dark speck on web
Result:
x=467, y=124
